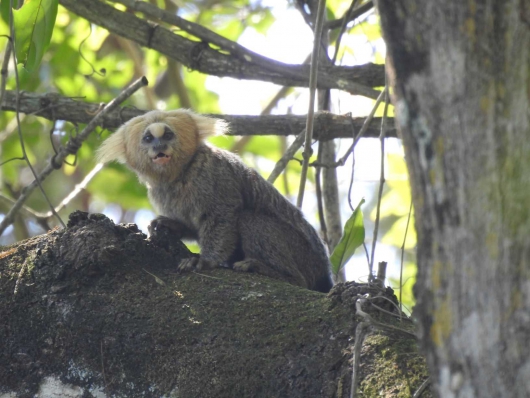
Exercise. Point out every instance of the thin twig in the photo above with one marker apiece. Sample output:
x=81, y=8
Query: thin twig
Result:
x=382, y=137
x=312, y=93
x=399, y=314
x=19, y=278
x=17, y=115
x=42, y=218
x=78, y=188
x=422, y=388
x=364, y=128
x=4, y=70
x=385, y=311
x=320, y=205
x=383, y=326
x=360, y=333
x=403, y=257
x=287, y=156
x=71, y=147
x=10, y=128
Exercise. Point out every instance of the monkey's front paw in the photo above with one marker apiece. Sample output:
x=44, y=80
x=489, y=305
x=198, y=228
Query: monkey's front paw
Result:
x=161, y=222
x=195, y=263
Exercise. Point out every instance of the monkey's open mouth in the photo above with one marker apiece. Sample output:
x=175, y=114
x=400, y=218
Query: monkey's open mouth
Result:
x=161, y=158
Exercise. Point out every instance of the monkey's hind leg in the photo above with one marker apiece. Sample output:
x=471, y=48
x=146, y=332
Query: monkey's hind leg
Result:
x=253, y=265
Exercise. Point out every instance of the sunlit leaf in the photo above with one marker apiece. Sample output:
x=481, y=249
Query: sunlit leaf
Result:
x=118, y=185
x=34, y=23
x=352, y=238
x=267, y=146
x=262, y=22
x=396, y=233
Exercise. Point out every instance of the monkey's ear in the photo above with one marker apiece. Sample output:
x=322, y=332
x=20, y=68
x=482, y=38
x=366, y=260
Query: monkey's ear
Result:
x=208, y=126
x=113, y=148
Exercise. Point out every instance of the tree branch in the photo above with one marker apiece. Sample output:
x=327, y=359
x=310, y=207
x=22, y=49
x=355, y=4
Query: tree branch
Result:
x=328, y=126
x=200, y=56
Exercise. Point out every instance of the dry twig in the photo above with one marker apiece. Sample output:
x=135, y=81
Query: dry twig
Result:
x=422, y=388
x=288, y=155
x=312, y=93
x=3, y=71
x=382, y=137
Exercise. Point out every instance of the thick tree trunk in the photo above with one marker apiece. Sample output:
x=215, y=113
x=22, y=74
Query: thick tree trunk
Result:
x=462, y=85
x=98, y=310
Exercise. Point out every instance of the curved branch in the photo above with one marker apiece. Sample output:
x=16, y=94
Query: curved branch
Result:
x=201, y=57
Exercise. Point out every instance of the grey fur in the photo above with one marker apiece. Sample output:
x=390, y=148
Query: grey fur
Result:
x=237, y=217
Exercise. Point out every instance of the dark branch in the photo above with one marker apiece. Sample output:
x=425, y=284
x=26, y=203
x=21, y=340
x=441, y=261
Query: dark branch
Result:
x=327, y=125
x=200, y=56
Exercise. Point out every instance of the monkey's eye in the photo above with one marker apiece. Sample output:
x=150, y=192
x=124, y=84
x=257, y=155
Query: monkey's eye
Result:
x=168, y=134
x=147, y=138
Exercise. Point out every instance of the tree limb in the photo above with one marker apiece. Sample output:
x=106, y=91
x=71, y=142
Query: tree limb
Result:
x=328, y=126
x=201, y=57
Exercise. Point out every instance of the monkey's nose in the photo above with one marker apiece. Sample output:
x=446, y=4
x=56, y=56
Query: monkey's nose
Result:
x=159, y=147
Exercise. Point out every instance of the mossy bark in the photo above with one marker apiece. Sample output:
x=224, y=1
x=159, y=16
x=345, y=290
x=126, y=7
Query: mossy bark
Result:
x=98, y=310
x=462, y=84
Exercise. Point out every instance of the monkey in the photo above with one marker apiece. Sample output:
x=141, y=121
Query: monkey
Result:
x=208, y=194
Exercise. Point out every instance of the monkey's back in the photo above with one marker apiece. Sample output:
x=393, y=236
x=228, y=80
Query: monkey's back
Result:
x=270, y=229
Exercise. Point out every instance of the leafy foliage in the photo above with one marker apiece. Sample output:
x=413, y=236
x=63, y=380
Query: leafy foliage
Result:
x=34, y=23
x=352, y=238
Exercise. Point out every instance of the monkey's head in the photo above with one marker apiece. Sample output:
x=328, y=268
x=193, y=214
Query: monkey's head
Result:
x=157, y=145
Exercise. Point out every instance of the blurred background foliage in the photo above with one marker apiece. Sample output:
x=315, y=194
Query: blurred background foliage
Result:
x=88, y=63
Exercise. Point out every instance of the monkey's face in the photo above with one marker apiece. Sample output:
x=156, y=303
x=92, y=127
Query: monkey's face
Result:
x=158, y=145
x=158, y=141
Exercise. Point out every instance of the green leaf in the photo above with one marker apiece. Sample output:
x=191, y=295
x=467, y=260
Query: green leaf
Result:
x=352, y=238
x=5, y=6
x=34, y=23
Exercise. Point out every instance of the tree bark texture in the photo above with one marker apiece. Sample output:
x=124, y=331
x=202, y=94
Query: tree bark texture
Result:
x=97, y=309
x=462, y=85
